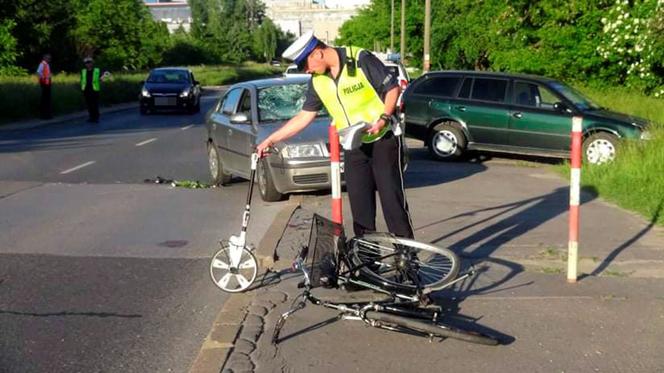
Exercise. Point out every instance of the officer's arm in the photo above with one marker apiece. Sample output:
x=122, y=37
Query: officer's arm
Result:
x=292, y=127
x=391, y=98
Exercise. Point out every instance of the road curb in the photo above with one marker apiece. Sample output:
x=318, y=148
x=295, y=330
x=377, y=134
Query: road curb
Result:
x=64, y=118
x=221, y=339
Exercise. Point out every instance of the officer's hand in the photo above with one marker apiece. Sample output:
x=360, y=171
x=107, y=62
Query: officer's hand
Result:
x=263, y=148
x=376, y=127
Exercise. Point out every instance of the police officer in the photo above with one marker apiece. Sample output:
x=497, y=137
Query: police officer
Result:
x=354, y=86
x=91, y=85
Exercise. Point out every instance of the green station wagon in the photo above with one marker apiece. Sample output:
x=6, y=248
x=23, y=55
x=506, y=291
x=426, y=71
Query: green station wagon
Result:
x=456, y=111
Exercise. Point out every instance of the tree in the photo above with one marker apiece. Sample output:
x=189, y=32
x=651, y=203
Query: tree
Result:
x=265, y=40
x=41, y=27
x=121, y=33
x=8, y=52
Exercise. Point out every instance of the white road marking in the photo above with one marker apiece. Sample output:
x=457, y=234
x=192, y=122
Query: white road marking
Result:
x=86, y=164
x=146, y=141
x=187, y=127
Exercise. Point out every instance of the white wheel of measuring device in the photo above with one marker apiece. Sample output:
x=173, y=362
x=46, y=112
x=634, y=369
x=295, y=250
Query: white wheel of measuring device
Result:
x=233, y=279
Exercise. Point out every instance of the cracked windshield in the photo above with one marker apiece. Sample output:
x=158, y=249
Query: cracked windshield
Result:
x=282, y=102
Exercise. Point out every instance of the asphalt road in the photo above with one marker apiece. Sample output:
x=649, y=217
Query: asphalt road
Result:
x=100, y=271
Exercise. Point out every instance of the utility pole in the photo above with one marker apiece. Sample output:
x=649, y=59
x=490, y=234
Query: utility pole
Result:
x=402, y=49
x=392, y=29
x=427, y=35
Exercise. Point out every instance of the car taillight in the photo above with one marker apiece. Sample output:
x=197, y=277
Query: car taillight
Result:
x=402, y=106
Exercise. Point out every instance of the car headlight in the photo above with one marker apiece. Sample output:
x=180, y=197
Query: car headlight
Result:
x=145, y=92
x=645, y=135
x=302, y=151
x=184, y=93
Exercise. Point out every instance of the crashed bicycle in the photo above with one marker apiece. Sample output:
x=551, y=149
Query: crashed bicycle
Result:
x=400, y=275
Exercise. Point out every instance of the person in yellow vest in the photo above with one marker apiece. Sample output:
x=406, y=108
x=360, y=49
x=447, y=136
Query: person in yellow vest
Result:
x=91, y=86
x=354, y=86
x=44, y=73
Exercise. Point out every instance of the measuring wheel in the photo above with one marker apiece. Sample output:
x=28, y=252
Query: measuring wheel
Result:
x=233, y=269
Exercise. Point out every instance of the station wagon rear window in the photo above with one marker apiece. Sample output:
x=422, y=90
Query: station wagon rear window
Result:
x=438, y=86
x=489, y=89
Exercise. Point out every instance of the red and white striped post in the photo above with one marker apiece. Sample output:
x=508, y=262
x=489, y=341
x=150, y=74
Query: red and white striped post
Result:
x=335, y=174
x=574, y=201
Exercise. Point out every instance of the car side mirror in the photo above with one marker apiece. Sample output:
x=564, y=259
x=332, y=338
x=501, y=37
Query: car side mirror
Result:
x=142, y=82
x=239, y=118
x=560, y=107
x=196, y=82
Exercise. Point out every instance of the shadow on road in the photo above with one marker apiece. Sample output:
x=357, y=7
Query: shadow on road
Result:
x=422, y=171
x=606, y=262
x=69, y=313
x=78, y=133
x=509, y=221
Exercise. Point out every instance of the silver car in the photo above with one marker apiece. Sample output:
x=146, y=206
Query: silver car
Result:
x=245, y=116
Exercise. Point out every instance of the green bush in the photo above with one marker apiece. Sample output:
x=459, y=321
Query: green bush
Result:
x=21, y=95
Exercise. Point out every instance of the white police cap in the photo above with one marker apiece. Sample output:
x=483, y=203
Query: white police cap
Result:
x=300, y=49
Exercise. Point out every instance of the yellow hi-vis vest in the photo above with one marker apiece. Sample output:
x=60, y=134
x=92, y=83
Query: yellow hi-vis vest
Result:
x=352, y=99
x=95, y=79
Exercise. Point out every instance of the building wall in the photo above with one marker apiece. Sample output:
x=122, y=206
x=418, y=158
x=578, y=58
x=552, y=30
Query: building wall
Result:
x=325, y=17
x=175, y=14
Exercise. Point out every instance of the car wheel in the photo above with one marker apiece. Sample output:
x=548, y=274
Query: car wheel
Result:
x=265, y=184
x=446, y=142
x=600, y=148
x=218, y=175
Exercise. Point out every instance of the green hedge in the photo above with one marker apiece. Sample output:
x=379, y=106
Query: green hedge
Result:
x=21, y=95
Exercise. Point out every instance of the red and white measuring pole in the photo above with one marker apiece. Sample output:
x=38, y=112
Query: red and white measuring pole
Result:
x=335, y=174
x=574, y=201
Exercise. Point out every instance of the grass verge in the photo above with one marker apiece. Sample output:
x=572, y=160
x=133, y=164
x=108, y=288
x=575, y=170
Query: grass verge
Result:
x=635, y=181
x=21, y=95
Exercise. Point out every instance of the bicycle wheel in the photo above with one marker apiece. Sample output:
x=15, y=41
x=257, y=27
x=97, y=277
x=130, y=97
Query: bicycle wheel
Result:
x=233, y=280
x=426, y=327
x=403, y=264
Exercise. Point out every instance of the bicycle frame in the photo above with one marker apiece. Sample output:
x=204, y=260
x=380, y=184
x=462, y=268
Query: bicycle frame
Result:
x=357, y=311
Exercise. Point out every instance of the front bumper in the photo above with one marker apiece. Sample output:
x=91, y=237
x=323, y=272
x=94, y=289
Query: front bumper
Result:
x=298, y=175
x=167, y=102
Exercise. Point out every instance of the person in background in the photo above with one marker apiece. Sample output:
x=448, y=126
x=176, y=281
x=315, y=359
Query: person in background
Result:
x=44, y=73
x=91, y=86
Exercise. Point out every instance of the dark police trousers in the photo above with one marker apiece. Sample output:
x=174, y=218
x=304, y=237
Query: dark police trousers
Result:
x=377, y=167
x=45, y=104
x=92, y=101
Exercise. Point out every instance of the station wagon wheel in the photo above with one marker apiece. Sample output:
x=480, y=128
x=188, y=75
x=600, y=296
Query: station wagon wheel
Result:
x=600, y=148
x=269, y=192
x=446, y=142
x=218, y=175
